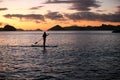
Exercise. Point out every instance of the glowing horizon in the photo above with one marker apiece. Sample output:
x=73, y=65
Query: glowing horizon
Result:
x=44, y=14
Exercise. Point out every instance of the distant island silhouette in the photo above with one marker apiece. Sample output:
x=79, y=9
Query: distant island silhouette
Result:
x=103, y=27
x=56, y=28
x=12, y=28
x=81, y=28
x=116, y=31
x=8, y=28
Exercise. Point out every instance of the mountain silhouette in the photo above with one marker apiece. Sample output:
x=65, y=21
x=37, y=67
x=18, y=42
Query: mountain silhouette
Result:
x=81, y=28
x=56, y=28
x=9, y=28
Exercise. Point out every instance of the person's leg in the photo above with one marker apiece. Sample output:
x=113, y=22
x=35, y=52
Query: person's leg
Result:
x=44, y=41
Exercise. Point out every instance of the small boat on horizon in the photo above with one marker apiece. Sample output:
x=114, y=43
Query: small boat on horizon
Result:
x=116, y=31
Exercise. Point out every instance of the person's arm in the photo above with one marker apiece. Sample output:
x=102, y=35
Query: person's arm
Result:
x=47, y=34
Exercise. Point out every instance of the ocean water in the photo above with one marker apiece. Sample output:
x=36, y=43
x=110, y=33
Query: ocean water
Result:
x=79, y=55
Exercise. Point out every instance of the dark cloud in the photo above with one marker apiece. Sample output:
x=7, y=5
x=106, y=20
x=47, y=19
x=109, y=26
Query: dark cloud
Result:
x=79, y=5
x=59, y=1
x=85, y=5
x=93, y=16
x=2, y=9
x=118, y=12
x=28, y=16
x=35, y=8
x=54, y=16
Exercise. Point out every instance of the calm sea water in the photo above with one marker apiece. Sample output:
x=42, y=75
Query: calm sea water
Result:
x=80, y=55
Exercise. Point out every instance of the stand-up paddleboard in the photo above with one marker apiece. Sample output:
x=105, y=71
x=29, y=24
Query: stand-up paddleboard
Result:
x=43, y=46
x=33, y=46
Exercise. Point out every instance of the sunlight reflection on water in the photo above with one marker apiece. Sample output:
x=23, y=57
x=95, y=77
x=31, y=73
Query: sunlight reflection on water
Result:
x=80, y=55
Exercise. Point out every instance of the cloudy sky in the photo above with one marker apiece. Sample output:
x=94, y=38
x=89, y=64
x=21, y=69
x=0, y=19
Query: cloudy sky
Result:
x=43, y=14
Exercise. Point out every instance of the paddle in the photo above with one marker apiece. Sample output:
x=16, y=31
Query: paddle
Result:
x=38, y=41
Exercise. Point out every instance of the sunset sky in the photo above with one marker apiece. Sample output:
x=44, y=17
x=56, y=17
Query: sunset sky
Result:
x=44, y=14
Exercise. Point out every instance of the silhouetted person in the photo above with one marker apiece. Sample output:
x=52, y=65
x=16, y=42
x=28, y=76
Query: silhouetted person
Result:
x=44, y=39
